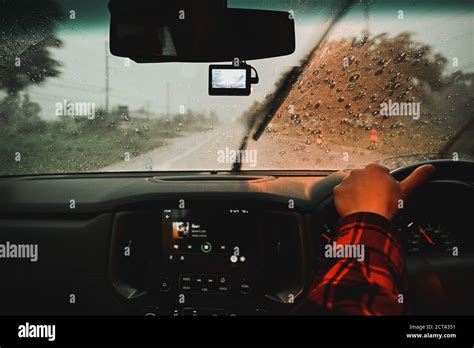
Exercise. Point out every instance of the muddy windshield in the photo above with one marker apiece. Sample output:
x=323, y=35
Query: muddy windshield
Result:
x=391, y=82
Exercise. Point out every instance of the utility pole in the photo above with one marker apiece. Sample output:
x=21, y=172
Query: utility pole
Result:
x=167, y=99
x=106, y=76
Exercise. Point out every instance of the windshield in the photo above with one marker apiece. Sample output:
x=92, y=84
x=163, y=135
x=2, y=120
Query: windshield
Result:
x=391, y=82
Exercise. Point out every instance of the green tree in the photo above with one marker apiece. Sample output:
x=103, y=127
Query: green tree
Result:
x=27, y=30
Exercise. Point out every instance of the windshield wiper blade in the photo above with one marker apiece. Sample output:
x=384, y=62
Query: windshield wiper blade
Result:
x=282, y=93
x=269, y=109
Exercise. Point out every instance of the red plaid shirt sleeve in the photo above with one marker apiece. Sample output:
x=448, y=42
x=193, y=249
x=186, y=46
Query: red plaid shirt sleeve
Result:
x=372, y=285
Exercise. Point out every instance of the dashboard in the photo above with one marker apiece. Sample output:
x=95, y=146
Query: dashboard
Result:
x=146, y=245
x=210, y=258
x=210, y=244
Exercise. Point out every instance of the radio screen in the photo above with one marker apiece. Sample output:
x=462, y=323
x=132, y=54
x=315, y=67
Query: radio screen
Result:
x=225, y=234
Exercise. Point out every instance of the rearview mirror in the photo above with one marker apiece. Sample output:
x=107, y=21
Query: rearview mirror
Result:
x=197, y=31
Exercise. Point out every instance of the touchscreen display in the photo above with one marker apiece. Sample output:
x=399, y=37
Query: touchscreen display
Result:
x=225, y=234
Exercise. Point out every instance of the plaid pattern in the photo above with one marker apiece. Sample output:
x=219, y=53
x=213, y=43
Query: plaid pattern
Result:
x=368, y=287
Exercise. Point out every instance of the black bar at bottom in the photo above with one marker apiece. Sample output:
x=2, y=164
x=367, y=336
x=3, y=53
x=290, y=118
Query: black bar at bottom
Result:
x=240, y=330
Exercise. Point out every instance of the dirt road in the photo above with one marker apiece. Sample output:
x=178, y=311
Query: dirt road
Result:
x=204, y=151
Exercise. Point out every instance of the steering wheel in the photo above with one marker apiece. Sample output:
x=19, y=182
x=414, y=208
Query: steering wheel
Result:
x=443, y=284
x=438, y=283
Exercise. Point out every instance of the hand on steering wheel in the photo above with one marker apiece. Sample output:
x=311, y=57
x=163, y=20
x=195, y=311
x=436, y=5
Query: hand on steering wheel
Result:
x=374, y=190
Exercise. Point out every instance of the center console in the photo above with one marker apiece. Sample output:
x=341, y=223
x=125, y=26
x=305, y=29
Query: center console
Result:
x=207, y=259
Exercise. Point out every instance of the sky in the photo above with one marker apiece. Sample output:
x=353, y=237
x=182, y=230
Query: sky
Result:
x=448, y=29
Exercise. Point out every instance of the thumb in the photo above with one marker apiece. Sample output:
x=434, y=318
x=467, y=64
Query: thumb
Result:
x=419, y=176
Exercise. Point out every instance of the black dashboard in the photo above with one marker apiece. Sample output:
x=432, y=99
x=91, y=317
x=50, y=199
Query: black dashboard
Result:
x=175, y=245
x=204, y=244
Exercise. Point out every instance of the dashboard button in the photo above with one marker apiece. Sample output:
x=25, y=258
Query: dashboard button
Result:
x=185, y=279
x=190, y=312
x=164, y=284
x=211, y=280
x=186, y=287
x=223, y=289
x=185, y=282
x=223, y=280
x=245, y=287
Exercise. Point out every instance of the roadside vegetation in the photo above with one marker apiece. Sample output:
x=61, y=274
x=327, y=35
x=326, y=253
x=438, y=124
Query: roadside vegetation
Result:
x=32, y=145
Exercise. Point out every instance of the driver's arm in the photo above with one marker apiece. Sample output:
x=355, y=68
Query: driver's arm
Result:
x=367, y=200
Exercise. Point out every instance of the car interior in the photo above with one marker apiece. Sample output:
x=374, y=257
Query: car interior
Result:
x=200, y=180
x=118, y=254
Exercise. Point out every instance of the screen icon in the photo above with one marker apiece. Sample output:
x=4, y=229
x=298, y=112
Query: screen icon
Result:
x=206, y=247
